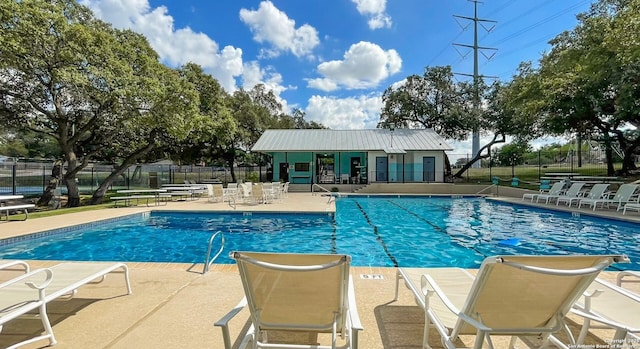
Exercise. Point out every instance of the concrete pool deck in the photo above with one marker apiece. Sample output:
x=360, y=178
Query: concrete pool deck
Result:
x=175, y=306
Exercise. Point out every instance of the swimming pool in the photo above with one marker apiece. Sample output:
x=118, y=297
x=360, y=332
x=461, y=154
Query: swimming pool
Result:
x=377, y=231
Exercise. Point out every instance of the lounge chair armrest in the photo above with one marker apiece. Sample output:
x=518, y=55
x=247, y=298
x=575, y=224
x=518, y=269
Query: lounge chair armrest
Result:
x=356, y=324
x=10, y=264
x=232, y=313
x=223, y=323
x=430, y=286
x=40, y=287
x=623, y=274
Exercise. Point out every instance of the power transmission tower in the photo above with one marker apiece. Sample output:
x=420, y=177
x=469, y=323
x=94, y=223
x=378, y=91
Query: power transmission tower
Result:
x=475, y=144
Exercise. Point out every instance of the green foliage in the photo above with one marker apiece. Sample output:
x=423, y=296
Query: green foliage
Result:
x=588, y=83
x=511, y=154
x=253, y=177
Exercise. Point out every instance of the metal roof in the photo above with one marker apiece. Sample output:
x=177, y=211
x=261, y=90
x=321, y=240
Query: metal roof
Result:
x=349, y=140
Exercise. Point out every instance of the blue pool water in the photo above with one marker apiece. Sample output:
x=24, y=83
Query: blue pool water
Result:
x=381, y=231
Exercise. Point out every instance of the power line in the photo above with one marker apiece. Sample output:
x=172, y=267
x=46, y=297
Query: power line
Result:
x=447, y=45
x=539, y=23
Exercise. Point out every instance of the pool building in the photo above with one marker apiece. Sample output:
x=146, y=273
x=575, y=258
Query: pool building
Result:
x=308, y=156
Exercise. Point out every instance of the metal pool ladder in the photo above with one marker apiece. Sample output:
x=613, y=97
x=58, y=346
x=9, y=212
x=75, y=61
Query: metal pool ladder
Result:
x=208, y=259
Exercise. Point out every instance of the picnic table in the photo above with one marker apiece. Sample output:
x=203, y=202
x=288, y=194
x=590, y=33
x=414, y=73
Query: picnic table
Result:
x=4, y=207
x=139, y=195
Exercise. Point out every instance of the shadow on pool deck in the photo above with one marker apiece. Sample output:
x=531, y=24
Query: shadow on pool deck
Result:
x=172, y=307
x=175, y=306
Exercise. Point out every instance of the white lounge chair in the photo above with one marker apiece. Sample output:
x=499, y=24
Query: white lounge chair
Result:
x=36, y=288
x=572, y=192
x=518, y=296
x=556, y=188
x=215, y=192
x=296, y=292
x=614, y=307
x=622, y=196
x=596, y=192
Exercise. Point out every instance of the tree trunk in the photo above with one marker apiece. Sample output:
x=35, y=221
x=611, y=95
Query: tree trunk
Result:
x=609, y=155
x=479, y=155
x=73, y=193
x=98, y=195
x=70, y=179
x=56, y=174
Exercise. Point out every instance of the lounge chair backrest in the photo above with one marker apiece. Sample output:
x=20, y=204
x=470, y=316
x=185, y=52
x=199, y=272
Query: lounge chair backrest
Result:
x=210, y=190
x=574, y=189
x=218, y=190
x=529, y=293
x=295, y=291
x=556, y=188
x=597, y=191
x=245, y=189
x=624, y=193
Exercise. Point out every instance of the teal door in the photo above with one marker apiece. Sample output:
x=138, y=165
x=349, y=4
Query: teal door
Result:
x=382, y=167
x=428, y=169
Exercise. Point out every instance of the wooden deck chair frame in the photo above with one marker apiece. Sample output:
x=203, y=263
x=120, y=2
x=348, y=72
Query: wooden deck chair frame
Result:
x=296, y=292
x=517, y=296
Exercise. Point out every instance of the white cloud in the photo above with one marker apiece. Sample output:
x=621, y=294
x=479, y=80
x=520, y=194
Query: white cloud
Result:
x=273, y=26
x=271, y=79
x=175, y=46
x=364, y=65
x=375, y=10
x=361, y=112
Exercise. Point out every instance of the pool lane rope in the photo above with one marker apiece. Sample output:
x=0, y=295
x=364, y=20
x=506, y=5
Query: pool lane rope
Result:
x=436, y=227
x=378, y=237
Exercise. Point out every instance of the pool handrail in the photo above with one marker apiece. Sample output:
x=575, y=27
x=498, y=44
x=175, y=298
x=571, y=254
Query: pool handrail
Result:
x=316, y=185
x=208, y=261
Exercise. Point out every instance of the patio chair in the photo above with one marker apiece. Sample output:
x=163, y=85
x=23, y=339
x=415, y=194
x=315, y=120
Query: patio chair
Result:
x=215, y=192
x=556, y=188
x=622, y=196
x=572, y=192
x=615, y=308
x=296, y=292
x=520, y=296
x=34, y=289
x=597, y=192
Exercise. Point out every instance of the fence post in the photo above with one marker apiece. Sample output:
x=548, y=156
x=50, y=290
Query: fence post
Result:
x=539, y=164
x=13, y=179
x=490, y=167
x=44, y=178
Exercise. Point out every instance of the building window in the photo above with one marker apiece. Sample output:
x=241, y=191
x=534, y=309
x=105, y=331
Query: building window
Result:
x=302, y=167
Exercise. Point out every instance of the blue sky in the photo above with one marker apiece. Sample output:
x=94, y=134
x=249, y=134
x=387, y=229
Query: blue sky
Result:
x=333, y=59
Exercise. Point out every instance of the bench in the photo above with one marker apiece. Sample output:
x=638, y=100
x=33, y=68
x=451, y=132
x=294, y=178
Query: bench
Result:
x=181, y=194
x=23, y=207
x=127, y=199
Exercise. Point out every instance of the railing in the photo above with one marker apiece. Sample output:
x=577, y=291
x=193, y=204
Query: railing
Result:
x=484, y=189
x=315, y=185
x=208, y=261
